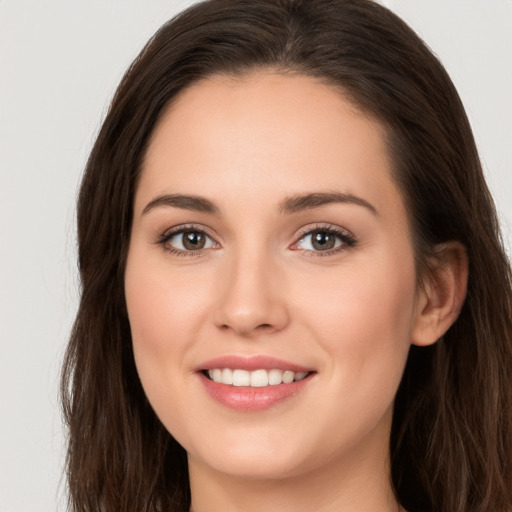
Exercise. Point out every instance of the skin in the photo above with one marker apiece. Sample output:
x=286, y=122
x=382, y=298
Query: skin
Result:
x=259, y=287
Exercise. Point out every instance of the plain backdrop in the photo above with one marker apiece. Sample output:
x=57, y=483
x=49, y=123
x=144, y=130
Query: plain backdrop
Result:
x=60, y=62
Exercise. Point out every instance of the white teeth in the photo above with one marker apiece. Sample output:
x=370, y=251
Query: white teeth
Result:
x=241, y=378
x=256, y=378
x=275, y=377
x=259, y=378
x=227, y=376
x=288, y=376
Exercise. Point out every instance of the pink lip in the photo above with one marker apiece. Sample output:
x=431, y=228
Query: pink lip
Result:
x=245, y=398
x=251, y=363
x=252, y=399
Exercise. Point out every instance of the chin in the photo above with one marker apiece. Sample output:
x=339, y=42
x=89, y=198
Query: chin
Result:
x=255, y=467
x=254, y=456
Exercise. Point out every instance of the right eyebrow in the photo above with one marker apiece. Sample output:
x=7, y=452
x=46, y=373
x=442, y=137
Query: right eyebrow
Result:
x=185, y=202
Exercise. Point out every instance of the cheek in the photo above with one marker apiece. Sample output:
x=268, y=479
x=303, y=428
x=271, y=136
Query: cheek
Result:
x=153, y=310
x=164, y=306
x=367, y=329
x=164, y=316
x=362, y=316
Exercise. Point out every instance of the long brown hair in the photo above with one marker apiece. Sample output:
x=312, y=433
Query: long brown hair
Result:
x=451, y=441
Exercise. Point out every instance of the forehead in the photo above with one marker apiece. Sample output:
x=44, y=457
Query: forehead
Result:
x=266, y=135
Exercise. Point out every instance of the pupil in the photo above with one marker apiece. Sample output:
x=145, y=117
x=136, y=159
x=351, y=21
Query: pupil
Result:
x=193, y=240
x=323, y=240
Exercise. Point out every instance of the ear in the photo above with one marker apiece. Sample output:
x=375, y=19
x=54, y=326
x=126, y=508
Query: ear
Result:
x=441, y=294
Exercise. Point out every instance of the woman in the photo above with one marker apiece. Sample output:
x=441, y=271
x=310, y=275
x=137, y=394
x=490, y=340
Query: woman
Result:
x=294, y=292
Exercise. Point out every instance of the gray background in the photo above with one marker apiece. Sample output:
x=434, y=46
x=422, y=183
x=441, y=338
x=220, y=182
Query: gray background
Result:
x=60, y=62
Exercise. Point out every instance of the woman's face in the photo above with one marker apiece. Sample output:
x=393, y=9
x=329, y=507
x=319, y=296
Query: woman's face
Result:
x=269, y=242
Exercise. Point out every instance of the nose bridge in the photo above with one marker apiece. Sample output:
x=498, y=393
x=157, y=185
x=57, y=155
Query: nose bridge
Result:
x=251, y=297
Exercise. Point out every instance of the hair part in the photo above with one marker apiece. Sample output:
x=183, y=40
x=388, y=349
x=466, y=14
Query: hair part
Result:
x=451, y=442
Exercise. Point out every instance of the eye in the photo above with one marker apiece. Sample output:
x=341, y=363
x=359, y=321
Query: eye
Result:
x=324, y=240
x=187, y=240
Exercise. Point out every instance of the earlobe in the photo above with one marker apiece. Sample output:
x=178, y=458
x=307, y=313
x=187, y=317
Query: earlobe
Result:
x=442, y=294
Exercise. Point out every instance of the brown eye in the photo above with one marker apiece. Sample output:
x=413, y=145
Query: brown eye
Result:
x=193, y=240
x=320, y=240
x=323, y=240
x=187, y=241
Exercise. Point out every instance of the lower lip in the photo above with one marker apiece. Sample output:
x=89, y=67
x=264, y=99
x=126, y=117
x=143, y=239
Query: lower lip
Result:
x=246, y=398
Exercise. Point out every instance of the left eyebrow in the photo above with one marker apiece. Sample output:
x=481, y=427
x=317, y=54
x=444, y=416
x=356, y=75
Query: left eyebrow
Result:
x=302, y=202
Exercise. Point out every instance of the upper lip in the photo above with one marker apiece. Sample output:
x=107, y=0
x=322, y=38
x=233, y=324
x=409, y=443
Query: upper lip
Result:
x=251, y=363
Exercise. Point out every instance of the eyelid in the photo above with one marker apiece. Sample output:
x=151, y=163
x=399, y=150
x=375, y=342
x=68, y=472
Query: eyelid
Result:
x=347, y=238
x=168, y=234
x=186, y=227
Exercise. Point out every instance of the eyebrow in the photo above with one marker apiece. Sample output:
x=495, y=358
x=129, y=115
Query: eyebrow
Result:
x=290, y=205
x=299, y=203
x=185, y=202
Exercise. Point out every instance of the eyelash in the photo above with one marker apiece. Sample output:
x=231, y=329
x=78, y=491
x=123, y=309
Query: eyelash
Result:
x=168, y=235
x=347, y=240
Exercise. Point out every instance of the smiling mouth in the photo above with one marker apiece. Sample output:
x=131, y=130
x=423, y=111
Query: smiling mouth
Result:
x=255, y=379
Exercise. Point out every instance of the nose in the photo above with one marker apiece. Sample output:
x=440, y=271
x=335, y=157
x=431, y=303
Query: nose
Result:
x=252, y=298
